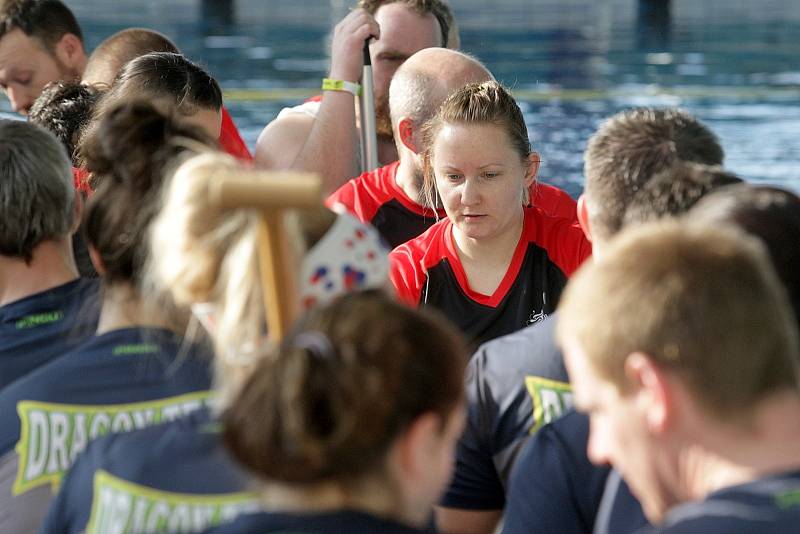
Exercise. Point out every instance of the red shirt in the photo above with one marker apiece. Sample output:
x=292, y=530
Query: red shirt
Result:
x=427, y=271
x=230, y=140
x=374, y=197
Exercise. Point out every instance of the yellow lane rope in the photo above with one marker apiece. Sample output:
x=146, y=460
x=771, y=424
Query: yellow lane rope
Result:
x=789, y=92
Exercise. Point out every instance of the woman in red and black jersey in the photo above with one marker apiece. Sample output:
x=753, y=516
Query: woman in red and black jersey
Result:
x=495, y=264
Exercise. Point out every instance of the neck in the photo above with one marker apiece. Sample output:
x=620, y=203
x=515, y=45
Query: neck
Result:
x=732, y=454
x=387, y=151
x=497, y=249
x=52, y=265
x=371, y=496
x=123, y=307
x=409, y=178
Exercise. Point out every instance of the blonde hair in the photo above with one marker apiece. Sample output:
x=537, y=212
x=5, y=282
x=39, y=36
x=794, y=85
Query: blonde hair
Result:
x=203, y=254
x=475, y=103
x=702, y=302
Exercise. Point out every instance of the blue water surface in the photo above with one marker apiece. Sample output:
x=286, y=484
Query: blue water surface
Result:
x=733, y=63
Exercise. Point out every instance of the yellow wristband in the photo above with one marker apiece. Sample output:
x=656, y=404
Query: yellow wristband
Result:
x=329, y=84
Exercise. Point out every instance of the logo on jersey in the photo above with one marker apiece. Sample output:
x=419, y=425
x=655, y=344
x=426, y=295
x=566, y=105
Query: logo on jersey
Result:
x=550, y=399
x=119, y=506
x=39, y=319
x=52, y=435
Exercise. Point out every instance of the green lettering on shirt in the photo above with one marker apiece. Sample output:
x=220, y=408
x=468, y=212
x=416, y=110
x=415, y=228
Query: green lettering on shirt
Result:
x=39, y=319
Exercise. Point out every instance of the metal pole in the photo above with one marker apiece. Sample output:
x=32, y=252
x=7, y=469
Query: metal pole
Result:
x=369, y=136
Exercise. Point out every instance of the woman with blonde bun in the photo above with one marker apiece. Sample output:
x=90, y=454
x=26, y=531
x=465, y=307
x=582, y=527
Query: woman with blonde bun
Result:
x=179, y=475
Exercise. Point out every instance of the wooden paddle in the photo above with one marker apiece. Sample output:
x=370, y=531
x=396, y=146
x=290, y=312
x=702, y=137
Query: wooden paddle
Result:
x=272, y=193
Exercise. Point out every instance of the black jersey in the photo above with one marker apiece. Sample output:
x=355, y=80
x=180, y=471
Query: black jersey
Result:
x=350, y=522
x=40, y=327
x=515, y=384
x=427, y=271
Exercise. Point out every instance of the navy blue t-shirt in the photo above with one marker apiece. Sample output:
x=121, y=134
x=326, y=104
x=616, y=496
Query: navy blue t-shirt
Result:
x=40, y=327
x=770, y=505
x=346, y=521
x=173, y=477
x=554, y=487
x=118, y=381
x=515, y=385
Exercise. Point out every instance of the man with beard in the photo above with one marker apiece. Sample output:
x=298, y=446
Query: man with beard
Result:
x=390, y=197
x=321, y=135
x=40, y=42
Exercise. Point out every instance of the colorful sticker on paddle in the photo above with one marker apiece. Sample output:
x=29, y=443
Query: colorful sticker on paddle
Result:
x=351, y=256
x=550, y=399
x=122, y=506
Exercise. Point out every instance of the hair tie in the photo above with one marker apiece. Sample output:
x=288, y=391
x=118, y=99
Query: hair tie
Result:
x=317, y=344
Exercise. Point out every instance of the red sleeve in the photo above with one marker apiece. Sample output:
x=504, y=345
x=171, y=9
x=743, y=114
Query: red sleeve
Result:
x=572, y=247
x=354, y=196
x=230, y=140
x=563, y=239
x=80, y=179
x=554, y=201
x=406, y=273
x=364, y=195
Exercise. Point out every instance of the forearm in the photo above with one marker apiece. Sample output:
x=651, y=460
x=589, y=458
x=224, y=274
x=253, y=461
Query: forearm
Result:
x=331, y=149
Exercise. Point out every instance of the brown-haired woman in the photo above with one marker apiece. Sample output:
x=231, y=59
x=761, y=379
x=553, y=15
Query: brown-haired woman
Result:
x=495, y=264
x=137, y=370
x=352, y=423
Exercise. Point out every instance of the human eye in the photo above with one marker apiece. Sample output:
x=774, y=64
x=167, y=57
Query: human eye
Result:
x=24, y=78
x=452, y=177
x=488, y=175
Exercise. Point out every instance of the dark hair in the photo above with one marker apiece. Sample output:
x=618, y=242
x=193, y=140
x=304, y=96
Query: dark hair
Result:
x=64, y=108
x=673, y=191
x=109, y=57
x=439, y=9
x=341, y=388
x=45, y=20
x=769, y=213
x=165, y=74
x=630, y=148
x=36, y=193
x=475, y=103
x=128, y=154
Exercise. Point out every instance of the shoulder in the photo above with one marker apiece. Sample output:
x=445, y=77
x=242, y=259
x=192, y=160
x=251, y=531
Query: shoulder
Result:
x=562, y=238
x=366, y=193
x=554, y=201
x=409, y=262
x=282, y=139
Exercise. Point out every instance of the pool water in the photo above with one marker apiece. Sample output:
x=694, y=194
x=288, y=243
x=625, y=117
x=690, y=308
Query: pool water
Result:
x=571, y=63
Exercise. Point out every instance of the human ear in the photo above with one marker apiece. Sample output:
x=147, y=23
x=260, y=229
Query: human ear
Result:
x=653, y=391
x=69, y=49
x=583, y=217
x=77, y=213
x=405, y=129
x=97, y=259
x=532, y=168
x=416, y=444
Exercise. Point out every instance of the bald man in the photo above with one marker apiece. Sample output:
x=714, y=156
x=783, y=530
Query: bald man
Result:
x=389, y=197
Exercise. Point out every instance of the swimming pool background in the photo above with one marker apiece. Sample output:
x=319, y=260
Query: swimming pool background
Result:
x=733, y=63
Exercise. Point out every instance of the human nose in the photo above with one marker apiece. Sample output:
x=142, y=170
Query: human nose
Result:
x=19, y=100
x=470, y=193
